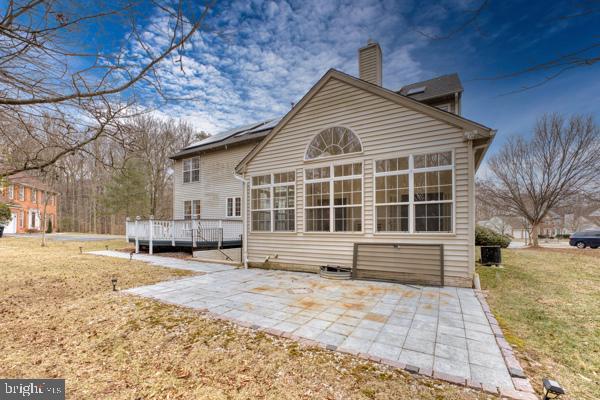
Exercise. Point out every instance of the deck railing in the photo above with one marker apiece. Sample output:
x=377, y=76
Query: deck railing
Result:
x=193, y=231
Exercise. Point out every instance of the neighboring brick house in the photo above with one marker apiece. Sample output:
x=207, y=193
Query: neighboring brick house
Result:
x=26, y=197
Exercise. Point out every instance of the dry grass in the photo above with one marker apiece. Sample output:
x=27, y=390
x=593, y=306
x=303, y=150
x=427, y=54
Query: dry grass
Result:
x=59, y=318
x=548, y=303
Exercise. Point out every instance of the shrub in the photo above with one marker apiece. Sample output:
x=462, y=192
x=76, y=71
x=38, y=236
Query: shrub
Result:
x=5, y=214
x=487, y=237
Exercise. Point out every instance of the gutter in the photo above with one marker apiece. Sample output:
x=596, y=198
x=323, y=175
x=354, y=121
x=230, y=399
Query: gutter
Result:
x=244, y=217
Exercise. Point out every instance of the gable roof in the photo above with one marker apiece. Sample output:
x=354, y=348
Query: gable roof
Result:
x=448, y=117
x=25, y=179
x=241, y=134
x=437, y=87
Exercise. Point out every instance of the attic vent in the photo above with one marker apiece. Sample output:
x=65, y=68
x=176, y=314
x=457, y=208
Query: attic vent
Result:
x=416, y=90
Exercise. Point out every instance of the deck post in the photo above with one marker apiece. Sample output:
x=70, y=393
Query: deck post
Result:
x=220, y=243
x=127, y=220
x=151, y=224
x=137, y=241
x=173, y=233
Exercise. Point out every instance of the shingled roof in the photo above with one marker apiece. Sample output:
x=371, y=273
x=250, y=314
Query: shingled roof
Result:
x=437, y=87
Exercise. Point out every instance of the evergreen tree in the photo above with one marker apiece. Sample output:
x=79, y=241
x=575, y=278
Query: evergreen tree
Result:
x=127, y=191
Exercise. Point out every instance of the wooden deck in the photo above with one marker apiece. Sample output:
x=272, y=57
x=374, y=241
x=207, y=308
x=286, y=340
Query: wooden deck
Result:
x=194, y=234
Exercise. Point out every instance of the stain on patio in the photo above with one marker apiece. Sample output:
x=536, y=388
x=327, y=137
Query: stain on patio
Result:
x=442, y=332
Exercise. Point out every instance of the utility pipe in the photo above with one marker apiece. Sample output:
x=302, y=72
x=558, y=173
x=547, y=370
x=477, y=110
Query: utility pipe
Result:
x=245, y=183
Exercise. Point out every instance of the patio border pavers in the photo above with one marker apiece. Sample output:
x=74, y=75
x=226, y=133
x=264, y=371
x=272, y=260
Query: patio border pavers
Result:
x=523, y=389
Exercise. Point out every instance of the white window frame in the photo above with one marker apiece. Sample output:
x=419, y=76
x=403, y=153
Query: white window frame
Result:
x=345, y=155
x=11, y=192
x=411, y=209
x=33, y=195
x=191, y=169
x=236, y=211
x=21, y=193
x=376, y=174
x=271, y=208
x=332, y=178
x=193, y=215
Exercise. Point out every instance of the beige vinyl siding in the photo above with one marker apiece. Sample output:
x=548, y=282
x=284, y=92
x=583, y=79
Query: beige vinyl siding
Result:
x=217, y=182
x=385, y=129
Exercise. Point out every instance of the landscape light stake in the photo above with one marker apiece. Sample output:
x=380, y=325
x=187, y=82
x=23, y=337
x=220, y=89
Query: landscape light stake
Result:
x=114, y=283
x=552, y=389
x=131, y=255
x=106, y=247
x=80, y=250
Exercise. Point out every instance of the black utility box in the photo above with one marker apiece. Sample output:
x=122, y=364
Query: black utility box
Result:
x=491, y=255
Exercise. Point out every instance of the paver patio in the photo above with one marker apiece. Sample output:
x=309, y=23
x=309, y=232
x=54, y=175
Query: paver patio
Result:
x=439, y=330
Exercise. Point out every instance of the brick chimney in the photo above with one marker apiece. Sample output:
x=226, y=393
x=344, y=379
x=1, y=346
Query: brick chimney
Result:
x=369, y=63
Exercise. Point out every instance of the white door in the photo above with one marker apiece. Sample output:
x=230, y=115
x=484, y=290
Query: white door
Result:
x=12, y=225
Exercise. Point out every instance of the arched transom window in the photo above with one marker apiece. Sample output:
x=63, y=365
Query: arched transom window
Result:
x=333, y=141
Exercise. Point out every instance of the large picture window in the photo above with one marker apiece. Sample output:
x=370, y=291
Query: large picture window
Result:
x=333, y=198
x=272, y=202
x=191, y=170
x=418, y=188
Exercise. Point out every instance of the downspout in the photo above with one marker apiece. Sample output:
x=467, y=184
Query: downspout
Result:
x=244, y=217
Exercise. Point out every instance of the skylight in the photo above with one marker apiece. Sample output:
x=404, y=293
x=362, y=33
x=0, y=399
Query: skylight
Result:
x=416, y=90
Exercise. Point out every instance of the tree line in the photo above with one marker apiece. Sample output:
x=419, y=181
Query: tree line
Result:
x=107, y=182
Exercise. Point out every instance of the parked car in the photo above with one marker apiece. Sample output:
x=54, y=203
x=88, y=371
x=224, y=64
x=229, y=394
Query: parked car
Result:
x=584, y=239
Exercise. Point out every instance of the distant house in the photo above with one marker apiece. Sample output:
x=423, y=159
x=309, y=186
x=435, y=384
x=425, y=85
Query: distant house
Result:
x=554, y=224
x=354, y=175
x=26, y=197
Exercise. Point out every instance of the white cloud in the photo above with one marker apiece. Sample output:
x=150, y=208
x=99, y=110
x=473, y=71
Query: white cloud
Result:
x=269, y=54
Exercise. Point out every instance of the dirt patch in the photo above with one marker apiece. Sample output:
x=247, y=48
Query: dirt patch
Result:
x=353, y=306
x=262, y=289
x=376, y=317
x=309, y=304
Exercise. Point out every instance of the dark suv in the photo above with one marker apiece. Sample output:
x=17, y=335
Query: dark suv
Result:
x=584, y=239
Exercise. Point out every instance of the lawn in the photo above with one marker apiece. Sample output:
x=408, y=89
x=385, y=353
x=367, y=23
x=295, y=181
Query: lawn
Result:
x=548, y=304
x=60, y=318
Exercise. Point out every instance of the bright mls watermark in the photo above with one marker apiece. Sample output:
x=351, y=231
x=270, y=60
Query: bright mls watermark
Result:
x=34, y=389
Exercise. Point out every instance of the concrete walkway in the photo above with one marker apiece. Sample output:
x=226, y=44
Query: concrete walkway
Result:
x=168, y=262
x=440, y=332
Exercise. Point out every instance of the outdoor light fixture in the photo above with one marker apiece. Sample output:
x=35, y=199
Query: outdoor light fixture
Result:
x=80, y=250
x=131, y=255
x=106, y=247
x=552, y=389
x=114, y=283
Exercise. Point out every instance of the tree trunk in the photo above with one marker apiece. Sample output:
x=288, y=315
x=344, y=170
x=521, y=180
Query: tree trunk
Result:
x=534, y=234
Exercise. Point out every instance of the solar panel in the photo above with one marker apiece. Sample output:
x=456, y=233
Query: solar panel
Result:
x=223, y=135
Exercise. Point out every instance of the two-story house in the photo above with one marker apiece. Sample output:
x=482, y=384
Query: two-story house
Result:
x=29, y=201
x=355, y=175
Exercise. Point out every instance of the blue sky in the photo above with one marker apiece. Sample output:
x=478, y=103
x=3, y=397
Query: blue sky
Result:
x=268, y=54
x=262, y=55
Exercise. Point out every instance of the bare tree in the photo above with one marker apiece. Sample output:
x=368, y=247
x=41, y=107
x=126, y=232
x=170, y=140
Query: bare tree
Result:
x=154, y=142
x=58, y=95
x=529, y=178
